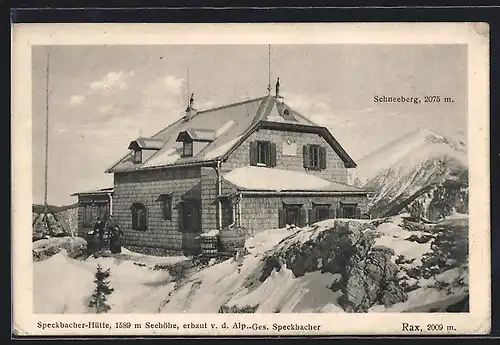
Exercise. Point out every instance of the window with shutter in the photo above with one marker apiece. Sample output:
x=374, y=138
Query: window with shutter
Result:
x=348, y=210
x=314, y=157
x=263, y=155
x=293, y=215
x=321, y=212
x=253, y=153
x=166, y=206
x=139, y=217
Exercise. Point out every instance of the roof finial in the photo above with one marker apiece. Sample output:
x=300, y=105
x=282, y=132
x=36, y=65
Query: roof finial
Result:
x=191, y=101
x=269, y=72
x=278, y=87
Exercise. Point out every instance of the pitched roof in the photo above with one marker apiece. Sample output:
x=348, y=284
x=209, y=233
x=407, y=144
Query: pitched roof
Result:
x=251, y=178
x=230, y=125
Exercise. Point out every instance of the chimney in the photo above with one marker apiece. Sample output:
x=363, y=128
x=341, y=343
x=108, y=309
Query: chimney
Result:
x=190, y=110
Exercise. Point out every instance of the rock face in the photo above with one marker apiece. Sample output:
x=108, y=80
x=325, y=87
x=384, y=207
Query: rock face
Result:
x=371, y=280
x=347, y=248
x=45, y=248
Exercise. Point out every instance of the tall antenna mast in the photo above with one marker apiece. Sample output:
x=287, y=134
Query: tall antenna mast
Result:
x=46, y=211
x=188, y=89
x=46, y=131
x=269, y=71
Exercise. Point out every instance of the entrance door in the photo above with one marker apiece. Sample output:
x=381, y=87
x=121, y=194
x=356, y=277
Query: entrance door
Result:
x=190, y=216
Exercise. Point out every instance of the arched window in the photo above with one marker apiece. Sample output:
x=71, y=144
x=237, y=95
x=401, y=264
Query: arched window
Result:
x=139, y=216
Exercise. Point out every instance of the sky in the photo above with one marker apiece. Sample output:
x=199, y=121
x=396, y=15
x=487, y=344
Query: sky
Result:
x=103, y=97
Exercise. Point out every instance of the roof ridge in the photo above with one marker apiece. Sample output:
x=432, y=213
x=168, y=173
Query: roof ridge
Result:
x=231, y=105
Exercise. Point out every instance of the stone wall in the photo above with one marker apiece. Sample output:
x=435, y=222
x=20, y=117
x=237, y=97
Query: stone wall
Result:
x=261, y=212
x=335, y=169
x=146, y=187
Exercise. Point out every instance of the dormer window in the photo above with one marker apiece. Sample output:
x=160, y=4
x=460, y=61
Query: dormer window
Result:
x=187, y=149
x=195, y=139
x=138, y=156
x=149, y=144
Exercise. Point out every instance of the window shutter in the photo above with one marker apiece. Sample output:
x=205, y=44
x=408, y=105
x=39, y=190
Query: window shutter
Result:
x=339, y=213
x=167, y=207
x=302, y=217
x=134, y=217
x=180, y=218
x=305, y=155
x=282, y=218
x=273, y=154
x=144, y=223
x=357, y=213
x=253, y=153
x=322, y=157
x=332, y=213
x=312, y=216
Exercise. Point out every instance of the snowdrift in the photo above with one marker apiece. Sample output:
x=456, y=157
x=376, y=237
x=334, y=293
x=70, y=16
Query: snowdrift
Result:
x=335, y=266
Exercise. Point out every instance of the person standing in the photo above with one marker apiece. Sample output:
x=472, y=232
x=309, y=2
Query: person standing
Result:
x=99, y=229
x=115, y=244
x=111, y=224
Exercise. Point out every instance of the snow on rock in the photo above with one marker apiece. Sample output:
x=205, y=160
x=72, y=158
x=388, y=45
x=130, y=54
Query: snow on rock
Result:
x=265, y=240
x=74, y=246
x=396, y=238
x=283, y=293
x=333, y=266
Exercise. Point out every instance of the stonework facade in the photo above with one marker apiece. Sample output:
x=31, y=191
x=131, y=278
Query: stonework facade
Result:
x=147, y=188
x=335, y=169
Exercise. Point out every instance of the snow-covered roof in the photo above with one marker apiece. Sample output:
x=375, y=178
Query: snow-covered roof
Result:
x=146, y=143
x=96, y=191
x=253, y=178
x=228, y=126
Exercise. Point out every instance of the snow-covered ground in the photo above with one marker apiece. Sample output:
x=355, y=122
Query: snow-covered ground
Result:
x=63, y=284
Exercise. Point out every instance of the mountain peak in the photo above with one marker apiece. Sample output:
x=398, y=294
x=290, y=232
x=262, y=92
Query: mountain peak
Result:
x=407, y=151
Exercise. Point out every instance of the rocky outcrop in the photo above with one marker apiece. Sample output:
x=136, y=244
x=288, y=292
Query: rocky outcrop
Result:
x=368, y=276
x=74, y=246
x=371, y=280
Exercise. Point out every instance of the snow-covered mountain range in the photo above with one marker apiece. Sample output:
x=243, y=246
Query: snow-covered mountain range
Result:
x=422, y=172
